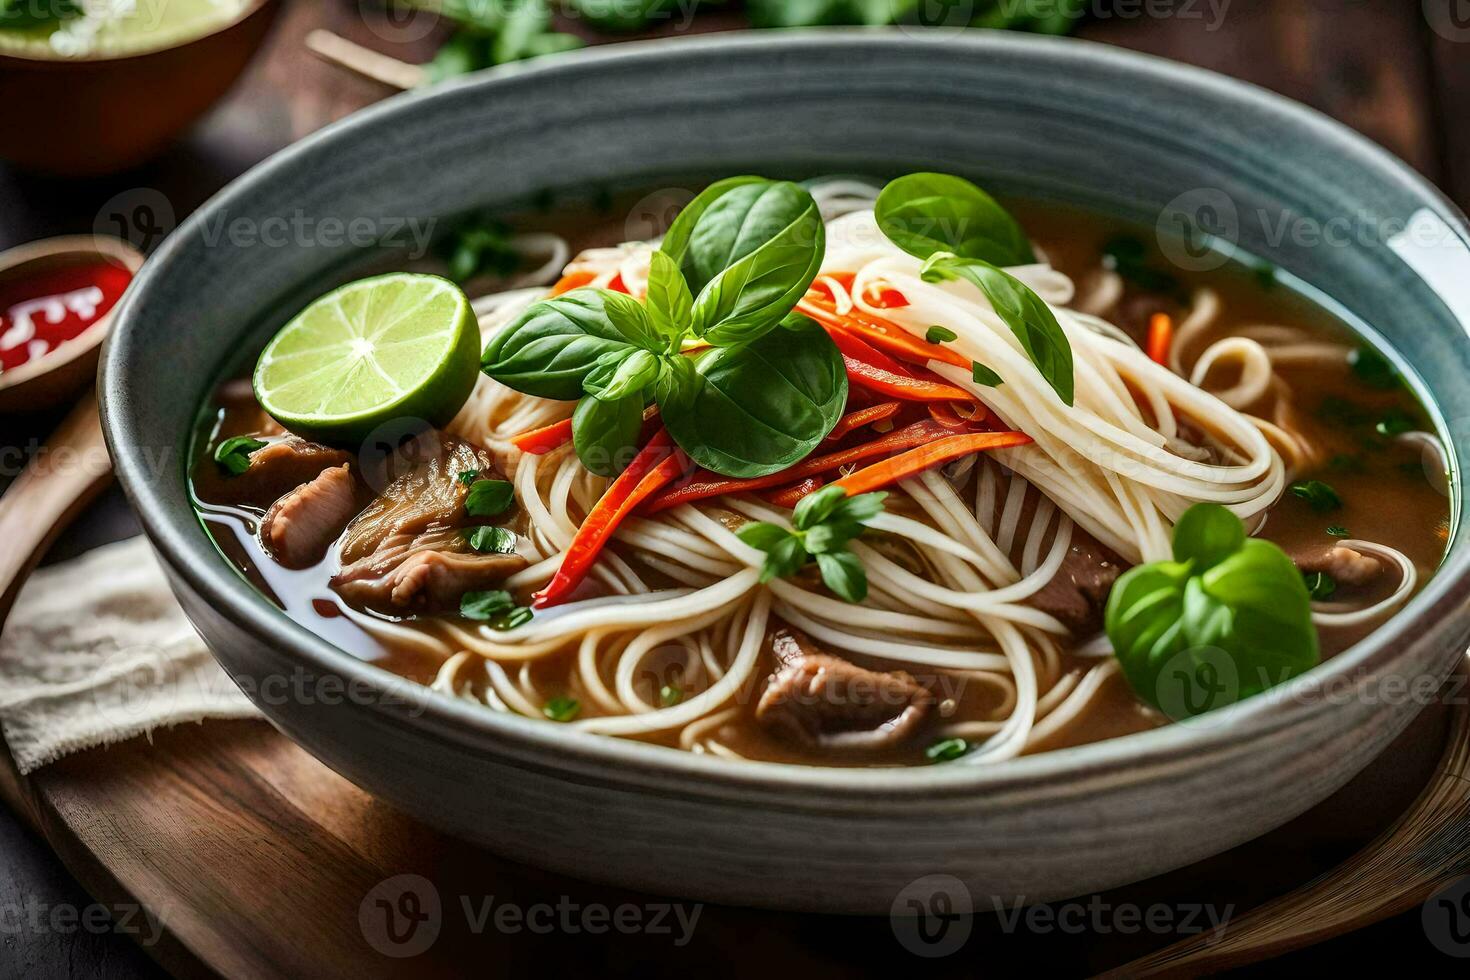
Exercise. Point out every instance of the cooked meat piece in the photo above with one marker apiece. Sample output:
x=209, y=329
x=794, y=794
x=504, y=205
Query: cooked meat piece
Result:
x=826, y=702
x=1078, y=594
x=298, y=528
x=421, y=492
x=1346, y=566
x=422, y=573
x=279, y=467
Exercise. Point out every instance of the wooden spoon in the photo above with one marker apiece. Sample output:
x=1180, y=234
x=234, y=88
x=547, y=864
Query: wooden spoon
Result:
x=1421, y=853
x=65, y=476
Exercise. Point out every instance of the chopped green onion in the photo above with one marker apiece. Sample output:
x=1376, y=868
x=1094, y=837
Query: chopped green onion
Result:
x=1318, y=495
x=233, y=455
x=1337, y=531
x=485, y=605
x=1395, y=423
x=940, y=335
x=491, y=540
x=982, y=375
x=1320, y=585
x=669, y=695
x=519, y=616
x=562, y=709
x=947, y=750
x=488, y=498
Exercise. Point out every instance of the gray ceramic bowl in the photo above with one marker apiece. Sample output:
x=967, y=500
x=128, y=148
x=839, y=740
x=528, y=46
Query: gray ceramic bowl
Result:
x=1079, y=122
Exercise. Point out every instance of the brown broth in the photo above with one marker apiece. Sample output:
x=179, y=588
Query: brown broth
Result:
x=1386, y=491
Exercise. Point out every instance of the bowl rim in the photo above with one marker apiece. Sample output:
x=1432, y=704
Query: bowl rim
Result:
x=531, y=742
x=251, y=8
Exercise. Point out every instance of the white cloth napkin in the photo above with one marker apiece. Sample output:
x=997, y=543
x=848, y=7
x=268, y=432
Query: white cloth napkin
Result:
x=97, y=651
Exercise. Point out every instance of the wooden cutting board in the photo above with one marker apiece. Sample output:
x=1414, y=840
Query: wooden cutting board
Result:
x=251, y=859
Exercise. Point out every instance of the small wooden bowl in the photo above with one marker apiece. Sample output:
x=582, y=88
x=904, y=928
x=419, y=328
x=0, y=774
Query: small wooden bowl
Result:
x=89, y=116
x=47, y=381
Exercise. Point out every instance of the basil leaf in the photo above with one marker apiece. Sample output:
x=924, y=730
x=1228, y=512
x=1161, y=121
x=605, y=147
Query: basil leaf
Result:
x=860, y=509
x=757, y=409
x=488, y=498
x=605, y=433
x=618, y=378
x=940, y=335
x=831, y=536
x=816, y=507
x=752, y=255
x=631, y=319
x=233, y=455
x=927, y=213
x=1207, y=536
x=670, y=304
x=1029, y=318
x=843, y=573
x=491, y=540
x=676, y=240
x=1190, y=640
x=677, y=378
x=549, y=350
x=783, y=559
x=762, y=536
x=1318, y=495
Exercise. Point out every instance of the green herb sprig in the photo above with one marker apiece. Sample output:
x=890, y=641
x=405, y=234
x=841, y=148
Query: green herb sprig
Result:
x=825, y=522
x=1227, y=618
x=728, y=274
x=961, y=233
x=233, y=455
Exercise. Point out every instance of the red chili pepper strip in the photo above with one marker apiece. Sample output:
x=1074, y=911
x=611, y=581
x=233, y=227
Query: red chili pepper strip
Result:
x=854, y=346
x=890, y=337
x=947, y=414
x=539, y=442
x=656, y=466
x=898, y=386
x=1160, y=337
x=704, y=484
x=617, y=285
x=905, y=465
x=571, y=281
x=853, y=421
x=791, y=496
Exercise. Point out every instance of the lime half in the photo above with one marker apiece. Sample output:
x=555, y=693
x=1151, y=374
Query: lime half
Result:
x=399, y=346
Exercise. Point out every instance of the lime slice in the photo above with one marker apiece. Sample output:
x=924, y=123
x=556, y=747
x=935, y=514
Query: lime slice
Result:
x=399, y=346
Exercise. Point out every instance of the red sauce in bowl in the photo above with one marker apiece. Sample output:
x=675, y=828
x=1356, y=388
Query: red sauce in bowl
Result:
x=42, y=311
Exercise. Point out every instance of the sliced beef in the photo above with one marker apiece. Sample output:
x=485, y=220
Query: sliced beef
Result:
x=1345, y=565
x=823, y=701
x=408, y=552
x=300, y=526
x=411, y=574
x=421, y=491
x=279, y=467
x=1078, y=593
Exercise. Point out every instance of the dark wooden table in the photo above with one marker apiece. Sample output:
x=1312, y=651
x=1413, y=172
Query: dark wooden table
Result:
x=1397, y=70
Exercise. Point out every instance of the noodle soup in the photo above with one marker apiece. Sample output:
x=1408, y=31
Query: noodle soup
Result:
x=1016, y=447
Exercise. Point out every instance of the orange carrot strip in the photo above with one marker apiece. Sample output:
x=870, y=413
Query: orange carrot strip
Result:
x=853, y=421
x=656, y=466
x=571, y=281
x=791, y=496
x=539, y=442
x=889, y=337
x=905, y=465
x=1160, y=337
x=703, y=484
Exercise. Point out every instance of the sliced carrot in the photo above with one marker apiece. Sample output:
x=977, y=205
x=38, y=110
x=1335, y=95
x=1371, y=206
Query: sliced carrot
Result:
x=889, y=337
x=1160, y=337
x=947, y=415
x=703, y=484
x=539, y=442
x=656, y=466
x=892, y=385
x=791, y=496
x=571, y=281
x=853, y=421
x=905, y=465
